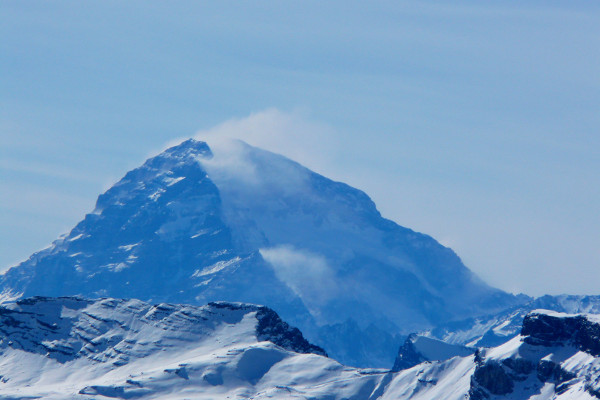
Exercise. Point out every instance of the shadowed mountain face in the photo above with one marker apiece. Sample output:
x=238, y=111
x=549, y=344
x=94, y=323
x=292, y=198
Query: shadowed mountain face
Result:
x=237, y=223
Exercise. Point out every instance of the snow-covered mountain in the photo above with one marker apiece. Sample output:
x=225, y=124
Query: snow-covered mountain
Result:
x=236, y=223
x=74, y=348
x=556, y=356
x=418, y=349
x=495, y=329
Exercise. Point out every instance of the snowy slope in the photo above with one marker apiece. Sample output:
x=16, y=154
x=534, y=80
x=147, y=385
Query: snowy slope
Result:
x=495, y=329
x=73, y=348
x=237, y=223
x=62, y=347
x=418, y=349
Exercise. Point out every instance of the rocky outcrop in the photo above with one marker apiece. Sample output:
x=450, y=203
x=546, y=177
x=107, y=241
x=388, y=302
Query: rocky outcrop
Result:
x=496, y=329
x=519, y=367
x=532, y=361
x=115, y=330
x=548, y=371
x=272, y=328
x=490, y=378
x=408, y=356
x=547, y=329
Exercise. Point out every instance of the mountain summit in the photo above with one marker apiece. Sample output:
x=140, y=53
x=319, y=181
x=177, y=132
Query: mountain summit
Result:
x=237, y=223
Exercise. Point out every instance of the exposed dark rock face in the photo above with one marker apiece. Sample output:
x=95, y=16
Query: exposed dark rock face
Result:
x=477, y=393
x=591, y=390
x=547, y=330
x=551, y=371
x=542, y=333
x=417, y=349
x=505, y=325
x=272, y=328
x=519, y=366
x=493, y=378
x=408, y=356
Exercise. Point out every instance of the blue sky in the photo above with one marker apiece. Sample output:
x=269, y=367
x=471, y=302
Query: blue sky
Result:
x=476, y=123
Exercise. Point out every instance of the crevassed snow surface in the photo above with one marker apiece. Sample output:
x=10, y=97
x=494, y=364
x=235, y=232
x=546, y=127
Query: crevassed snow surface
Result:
x=237, y=223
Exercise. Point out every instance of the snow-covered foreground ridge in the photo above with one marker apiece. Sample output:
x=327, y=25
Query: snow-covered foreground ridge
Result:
x=236, y=223
x=73, y=348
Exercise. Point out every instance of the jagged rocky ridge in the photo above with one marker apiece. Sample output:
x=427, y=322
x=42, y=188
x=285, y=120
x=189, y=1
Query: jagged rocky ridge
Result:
x=555, y=356
x=548, y=329
x=236, y=223
x=115, y=331
x=495, y=329
x=86, y=342
x=74, y=348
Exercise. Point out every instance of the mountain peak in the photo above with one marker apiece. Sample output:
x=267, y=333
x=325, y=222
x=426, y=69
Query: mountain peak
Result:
x=253, y=226
x=158, y=173
x=190, y=151
x=190, y=148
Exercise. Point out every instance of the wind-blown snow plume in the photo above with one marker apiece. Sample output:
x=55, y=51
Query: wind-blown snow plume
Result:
x=306, y=273
x=190, y=224
x=293, y=134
